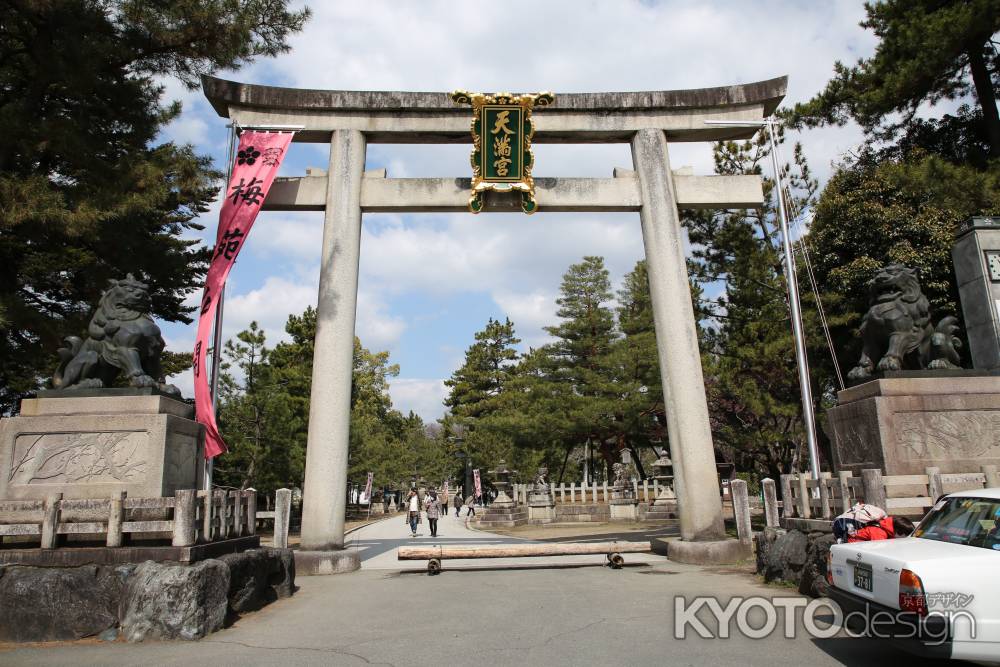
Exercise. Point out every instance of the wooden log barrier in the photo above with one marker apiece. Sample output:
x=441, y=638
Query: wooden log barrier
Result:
x=522, y=550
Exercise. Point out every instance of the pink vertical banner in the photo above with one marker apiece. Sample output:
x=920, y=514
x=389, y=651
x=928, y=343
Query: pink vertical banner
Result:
x=479, y=486
x=257, y=160
x=368, y=489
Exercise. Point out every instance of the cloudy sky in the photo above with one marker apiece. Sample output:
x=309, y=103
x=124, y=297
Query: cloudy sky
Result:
x=429, y=281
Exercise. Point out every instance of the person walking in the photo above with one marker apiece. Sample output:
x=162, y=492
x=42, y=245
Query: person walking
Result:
x=433, y=508
x=470, y=502
x=458, y=503
x=444, y=503
x=413, y=511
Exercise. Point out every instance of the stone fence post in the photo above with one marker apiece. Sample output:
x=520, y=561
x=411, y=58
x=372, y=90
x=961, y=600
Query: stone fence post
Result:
x=116, y=516
x=206, y=516
x=874, y=488
x=282, y=516
x=741, y=510
x=844, y=479
x=935, y=487
x=805, y=498
x=824, y=495
x=770, y=503
x=251, y=512
x=50, y=521
x=237, y=499
x=787, y=502
x=185, y=511
x=992, y=478
x=223, y=513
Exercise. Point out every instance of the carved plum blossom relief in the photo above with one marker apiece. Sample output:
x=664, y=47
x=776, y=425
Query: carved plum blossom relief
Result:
x=79, y=458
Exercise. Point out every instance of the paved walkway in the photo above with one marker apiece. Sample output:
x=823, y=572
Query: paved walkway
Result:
x=576, y=616
x=377, y=544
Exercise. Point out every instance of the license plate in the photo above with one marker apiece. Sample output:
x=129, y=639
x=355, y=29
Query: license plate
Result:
x=863, y=577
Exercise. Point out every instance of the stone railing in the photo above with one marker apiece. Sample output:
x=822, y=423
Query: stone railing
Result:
x=593, y=492
x=195, y=516
x=907, y=495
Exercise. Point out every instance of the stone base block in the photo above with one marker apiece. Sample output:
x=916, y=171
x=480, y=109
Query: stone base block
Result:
x=146, y=445
x=716, y=552
x=905, y=424
x=624, y=511
x=541, y=513
x=310, y=563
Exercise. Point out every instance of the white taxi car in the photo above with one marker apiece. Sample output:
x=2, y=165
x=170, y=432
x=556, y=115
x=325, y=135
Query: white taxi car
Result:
x=936, y=593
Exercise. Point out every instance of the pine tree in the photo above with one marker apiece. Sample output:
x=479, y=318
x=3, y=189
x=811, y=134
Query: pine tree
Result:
x=929, y=50
x=488, y=365
x=581, y=358
x=641, y=414
x=87, y=191
x=476, y=394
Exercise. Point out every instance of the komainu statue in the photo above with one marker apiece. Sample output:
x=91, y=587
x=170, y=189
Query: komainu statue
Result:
x=621, y=475
x=897, y=332
x=122, y=338
x=541, y=480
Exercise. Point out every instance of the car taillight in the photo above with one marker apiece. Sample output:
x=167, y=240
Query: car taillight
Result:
x=911, y=593
x=829, y=568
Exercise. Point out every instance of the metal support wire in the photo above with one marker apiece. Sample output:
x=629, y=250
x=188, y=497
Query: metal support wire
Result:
x=794, y=304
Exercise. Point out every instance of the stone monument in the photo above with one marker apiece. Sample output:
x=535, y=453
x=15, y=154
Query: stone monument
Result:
x=89, y=439
x=915, y=408
x=664, y=506
x=624, y=504
x=541, y=504
x=976, y=254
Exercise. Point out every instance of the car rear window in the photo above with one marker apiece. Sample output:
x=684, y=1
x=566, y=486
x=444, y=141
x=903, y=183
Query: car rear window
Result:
x=974, y=522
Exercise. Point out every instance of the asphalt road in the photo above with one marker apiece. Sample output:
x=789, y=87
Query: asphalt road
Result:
x=541, y=614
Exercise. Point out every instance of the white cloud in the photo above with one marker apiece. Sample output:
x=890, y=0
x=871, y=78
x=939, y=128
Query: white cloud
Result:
x=422, y=396
x=567, y=46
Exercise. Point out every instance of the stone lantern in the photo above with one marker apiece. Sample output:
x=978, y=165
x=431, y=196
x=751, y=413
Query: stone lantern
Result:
x=665, y=505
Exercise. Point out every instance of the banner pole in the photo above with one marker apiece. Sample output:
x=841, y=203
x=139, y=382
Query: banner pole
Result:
x=217, y=334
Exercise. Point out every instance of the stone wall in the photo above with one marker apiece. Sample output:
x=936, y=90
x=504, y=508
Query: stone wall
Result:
x=140, y=601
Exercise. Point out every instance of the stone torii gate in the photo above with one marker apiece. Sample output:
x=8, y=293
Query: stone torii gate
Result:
x=349, y=120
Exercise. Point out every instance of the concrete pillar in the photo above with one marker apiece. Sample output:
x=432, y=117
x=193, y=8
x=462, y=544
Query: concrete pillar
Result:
x=688, y=428
x=324, y=498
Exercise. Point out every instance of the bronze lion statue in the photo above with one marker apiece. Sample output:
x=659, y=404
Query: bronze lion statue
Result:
x=897, y=332
x=122, y=339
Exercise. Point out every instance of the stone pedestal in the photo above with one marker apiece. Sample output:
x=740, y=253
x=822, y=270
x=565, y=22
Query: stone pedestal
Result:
x=503, y=512
x=503, y=502
x=664, y=507
x=624, y=505
x=541, y=508
x=94, y=443
x=909, y=421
